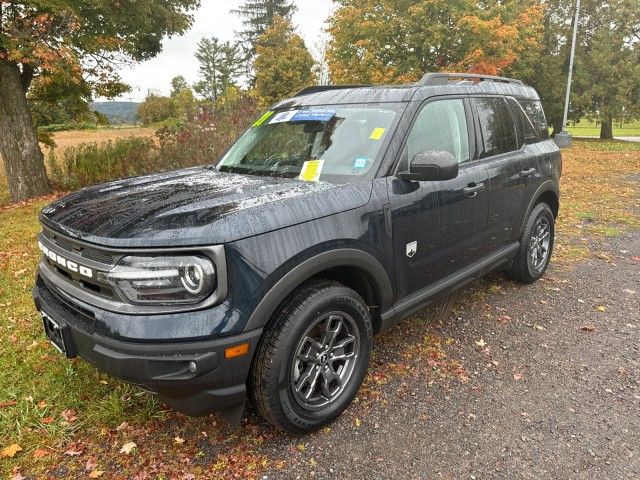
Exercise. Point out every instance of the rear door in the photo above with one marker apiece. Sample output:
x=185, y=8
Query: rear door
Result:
x=438, y=227
x=501, y=152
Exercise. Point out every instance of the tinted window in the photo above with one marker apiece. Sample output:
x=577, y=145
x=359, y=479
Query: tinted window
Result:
x=441, y=126
x=534, y=111
x=497, y=127
x=526, y=131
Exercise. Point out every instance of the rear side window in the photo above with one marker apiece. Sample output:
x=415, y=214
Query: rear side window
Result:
x=526, y=131
x=441, y=126
x=496, y=127
x=533, y=109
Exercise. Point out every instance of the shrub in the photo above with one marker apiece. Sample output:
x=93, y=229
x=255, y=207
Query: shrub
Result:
x=91, y=163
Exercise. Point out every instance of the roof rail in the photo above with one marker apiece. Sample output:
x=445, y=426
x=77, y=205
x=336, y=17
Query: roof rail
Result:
x=443, y=78
x=323, y=88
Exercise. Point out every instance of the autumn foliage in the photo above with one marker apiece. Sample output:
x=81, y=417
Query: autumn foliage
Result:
x=397, y=41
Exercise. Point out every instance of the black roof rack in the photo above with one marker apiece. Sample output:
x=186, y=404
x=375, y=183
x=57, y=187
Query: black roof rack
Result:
x=443, y=78
x=323, y=88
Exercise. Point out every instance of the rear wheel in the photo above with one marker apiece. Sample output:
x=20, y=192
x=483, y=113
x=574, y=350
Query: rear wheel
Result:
x=313, y=358
x=536, y=246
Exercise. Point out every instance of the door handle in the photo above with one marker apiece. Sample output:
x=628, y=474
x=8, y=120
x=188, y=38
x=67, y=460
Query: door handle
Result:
x=528, y=173
x=472, y=189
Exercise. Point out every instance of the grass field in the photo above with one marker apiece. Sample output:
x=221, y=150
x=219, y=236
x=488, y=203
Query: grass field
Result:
x=588, y=128
x=65, y=417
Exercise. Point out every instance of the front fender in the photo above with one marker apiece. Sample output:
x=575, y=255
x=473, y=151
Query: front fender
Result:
x=348, y=257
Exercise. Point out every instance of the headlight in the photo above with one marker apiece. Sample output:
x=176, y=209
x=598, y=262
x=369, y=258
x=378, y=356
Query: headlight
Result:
x=170, y=280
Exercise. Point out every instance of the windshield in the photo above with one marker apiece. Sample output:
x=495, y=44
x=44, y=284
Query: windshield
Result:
x=333, y=144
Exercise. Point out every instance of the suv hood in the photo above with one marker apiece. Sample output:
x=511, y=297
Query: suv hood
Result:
x=196, y=206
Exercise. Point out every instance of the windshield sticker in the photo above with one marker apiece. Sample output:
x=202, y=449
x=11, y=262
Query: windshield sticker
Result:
x=377, y=133
x=314, y=116
x=284, y=116
x=360, y=163
x=311, y=170
x=263, y=119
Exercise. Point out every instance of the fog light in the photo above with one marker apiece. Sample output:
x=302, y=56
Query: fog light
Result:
x=236, y=351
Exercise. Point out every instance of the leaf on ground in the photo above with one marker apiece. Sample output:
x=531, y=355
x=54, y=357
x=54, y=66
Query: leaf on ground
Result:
x=481, y=343
x=122, y=426
x=96, y=473
x=40, y=453
x=601, y=308
x=179, y=440
x=47, y=420
x=10, y=403
x=69, y=415
x=588, y=328
x=128, y=447
x=518, y=376
x=19, y=273
x=358, y=422
x=10, y=451
x=18, y=476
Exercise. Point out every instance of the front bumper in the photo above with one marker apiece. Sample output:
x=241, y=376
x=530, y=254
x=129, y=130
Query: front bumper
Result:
x=216, y=384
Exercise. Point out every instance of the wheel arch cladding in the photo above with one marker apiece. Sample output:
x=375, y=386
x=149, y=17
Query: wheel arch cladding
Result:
x=548, y=193
x=353, y=268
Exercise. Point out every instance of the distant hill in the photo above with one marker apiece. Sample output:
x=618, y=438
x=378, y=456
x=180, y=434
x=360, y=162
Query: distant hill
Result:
x=117, y=112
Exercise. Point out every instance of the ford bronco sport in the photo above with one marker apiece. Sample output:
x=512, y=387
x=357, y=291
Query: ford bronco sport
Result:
x=339, y=212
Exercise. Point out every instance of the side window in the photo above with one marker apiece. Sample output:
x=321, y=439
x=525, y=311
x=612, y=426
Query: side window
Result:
x=440, y=126
x=533, y=109
x=526, y=131
x=496, y=126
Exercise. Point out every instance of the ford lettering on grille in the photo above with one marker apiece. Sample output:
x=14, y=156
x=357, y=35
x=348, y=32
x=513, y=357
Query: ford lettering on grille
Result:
x=64, y=263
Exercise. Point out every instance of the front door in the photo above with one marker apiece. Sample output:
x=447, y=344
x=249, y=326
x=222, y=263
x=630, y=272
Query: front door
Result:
x=438, y=227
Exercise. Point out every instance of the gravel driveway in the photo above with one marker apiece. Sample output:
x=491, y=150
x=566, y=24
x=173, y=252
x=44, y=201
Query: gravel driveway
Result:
x=550, y=389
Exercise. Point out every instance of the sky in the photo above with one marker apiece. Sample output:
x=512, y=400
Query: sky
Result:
x=213, y=18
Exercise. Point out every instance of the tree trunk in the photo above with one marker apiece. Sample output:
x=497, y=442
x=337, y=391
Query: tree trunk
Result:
x=606, y=129
x=19, y=149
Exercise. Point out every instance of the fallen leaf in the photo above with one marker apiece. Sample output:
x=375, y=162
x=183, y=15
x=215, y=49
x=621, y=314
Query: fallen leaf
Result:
x=10, y=451
x=122, y=426
x=96, y=473
x=18, y=476
x=358, y=422
x=19, y=273
x=42, y=404
x=47, y=420
x=517, y=376
x=91, y=464
x=40, y=453
x=128, y=447
x=179, y=440
x=481, y=343
x=73, y=453
x=69, y=415
x=588, y=328
x=10, y=403
x=601, y=308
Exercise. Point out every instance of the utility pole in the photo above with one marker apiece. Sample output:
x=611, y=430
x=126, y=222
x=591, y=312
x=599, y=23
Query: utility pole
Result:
x=563, y=139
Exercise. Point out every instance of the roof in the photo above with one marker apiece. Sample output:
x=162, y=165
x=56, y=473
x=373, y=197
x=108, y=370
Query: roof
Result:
x=432, y=84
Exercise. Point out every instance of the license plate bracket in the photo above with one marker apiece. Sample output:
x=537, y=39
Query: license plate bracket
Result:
x=58, y=334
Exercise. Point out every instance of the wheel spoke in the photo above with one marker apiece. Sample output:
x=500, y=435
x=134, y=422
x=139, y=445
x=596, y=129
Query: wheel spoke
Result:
x=329, y=376
x=332, y=333
x=343, y=343
x=312, y=386
x=304, y=378
x=343, y=356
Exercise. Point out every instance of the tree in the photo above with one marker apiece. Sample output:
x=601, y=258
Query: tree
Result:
x=156, y=108
x=400, y=40
x=283, y=64
x=607, y=67
x=258, y=16
x=81, y=40
x=221, y=64
x=179, y=84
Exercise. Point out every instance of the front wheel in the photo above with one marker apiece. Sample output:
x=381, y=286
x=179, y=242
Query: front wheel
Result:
x=313, y=358
x=536, y=246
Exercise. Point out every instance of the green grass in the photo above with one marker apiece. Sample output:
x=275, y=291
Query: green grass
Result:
x=588, y=128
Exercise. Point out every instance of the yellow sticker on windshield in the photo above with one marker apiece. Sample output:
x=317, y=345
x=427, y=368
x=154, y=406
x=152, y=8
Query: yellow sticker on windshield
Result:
x=311, y=170
x=263, y=119
x=377, y=133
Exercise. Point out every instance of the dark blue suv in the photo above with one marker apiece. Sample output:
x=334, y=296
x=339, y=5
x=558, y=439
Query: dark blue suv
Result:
x=339, y=212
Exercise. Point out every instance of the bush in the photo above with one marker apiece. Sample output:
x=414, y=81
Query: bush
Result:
x=60, y=127
x=91, y=163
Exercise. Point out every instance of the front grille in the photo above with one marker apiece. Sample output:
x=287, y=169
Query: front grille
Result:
x=83, y=250
x=96, y=259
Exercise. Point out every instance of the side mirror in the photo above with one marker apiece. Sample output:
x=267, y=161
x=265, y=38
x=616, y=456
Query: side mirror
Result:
x=431, y=165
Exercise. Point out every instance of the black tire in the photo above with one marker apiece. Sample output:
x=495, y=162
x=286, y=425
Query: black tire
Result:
x=529, y=264
x=276, y=384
